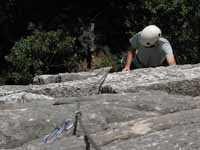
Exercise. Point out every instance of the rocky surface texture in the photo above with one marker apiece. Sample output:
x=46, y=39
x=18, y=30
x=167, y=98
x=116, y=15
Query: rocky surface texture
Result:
x=144, y=109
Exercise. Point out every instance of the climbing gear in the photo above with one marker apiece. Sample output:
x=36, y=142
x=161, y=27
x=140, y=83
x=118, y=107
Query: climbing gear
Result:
x=78, y=119
x=103, y=78
x=78, y=116
x=150, y=35
x=98, y=86
x=66, y=125
x=87, y=138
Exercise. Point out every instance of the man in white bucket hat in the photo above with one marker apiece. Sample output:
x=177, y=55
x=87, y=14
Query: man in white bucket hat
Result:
x=149, y=49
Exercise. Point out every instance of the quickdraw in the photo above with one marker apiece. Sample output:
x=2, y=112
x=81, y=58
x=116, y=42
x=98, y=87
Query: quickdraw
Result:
x=51, y=137
x=78, y=119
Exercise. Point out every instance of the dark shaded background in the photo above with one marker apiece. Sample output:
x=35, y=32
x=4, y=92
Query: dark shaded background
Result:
x=115, y=20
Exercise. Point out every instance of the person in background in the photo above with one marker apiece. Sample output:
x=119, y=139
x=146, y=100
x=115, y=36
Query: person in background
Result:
x=149, y=49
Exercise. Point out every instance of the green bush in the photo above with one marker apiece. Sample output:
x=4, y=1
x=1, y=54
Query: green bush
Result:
x=102, y=58
x=41, y=53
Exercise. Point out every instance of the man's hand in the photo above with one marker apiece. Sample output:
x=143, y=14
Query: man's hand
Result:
x=128, y=61
x=171, y=60
x=126, y=69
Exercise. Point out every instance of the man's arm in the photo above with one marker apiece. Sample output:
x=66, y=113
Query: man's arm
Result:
x=171, y=60
x=166, y=47
x=129, y=59
x=131, y=51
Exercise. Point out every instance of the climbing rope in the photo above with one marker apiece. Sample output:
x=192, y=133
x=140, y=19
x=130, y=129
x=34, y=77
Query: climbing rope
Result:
x=87, y=138
x=78, y=120
x=102, y=80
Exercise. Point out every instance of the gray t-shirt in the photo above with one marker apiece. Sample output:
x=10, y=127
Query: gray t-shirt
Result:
x=153, y=56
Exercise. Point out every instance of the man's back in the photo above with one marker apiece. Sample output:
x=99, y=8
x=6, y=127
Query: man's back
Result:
x=148, y=49
x=151, y=56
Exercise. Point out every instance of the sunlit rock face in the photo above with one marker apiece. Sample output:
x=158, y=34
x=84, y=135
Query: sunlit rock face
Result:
x=144, y=109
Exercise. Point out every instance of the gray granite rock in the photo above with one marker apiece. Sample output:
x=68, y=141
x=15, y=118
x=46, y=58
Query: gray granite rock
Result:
x=64, y=77
x=144, y=109
x=182, y=80
x=10, y=89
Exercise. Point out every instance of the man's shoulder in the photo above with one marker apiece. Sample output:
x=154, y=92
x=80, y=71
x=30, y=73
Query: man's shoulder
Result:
x=134, y=40
x=136, y=35
x=163, y=40
x=165, y=46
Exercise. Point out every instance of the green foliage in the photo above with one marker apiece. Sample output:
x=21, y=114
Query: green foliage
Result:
x=42, y=52
x=102, y=59
x=103, y=62
x=179, y=21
